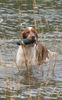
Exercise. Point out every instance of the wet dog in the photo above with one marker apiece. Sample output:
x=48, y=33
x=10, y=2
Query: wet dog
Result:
x=32, y=54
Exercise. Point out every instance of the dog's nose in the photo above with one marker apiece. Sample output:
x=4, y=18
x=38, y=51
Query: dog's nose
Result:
x=33, y=37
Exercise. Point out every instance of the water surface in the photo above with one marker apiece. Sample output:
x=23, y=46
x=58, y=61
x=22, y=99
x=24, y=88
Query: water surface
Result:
x=22, y=85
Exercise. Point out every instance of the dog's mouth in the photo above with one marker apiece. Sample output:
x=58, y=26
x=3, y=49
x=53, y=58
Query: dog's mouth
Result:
x=29, y=40
x=26, y=42
x=33, y=37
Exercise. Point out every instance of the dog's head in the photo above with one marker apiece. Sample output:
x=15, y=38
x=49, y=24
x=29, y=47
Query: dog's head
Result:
x=29, y=33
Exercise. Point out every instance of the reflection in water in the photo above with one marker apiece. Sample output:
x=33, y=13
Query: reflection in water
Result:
x=46, y=16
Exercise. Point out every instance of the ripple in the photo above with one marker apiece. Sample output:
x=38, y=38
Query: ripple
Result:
x=20, y=85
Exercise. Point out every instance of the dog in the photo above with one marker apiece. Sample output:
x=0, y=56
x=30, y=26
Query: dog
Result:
x=32, y=54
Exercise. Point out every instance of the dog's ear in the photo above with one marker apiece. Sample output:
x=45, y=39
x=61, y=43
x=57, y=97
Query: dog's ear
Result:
x=23, y=35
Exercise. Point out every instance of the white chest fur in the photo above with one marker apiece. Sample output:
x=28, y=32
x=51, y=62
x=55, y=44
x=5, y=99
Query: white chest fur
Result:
x=26, y=54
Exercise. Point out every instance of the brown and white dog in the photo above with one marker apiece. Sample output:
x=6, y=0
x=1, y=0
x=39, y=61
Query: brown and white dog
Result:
x=32, y=54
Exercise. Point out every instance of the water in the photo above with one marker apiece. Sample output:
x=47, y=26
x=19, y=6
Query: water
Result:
x=22, y=85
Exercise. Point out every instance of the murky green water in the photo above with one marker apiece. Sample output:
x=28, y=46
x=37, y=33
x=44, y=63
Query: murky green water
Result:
x=23, y=85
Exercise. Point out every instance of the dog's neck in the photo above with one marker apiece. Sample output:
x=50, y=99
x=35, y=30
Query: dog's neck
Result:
x=29, y=48
x=30, y=45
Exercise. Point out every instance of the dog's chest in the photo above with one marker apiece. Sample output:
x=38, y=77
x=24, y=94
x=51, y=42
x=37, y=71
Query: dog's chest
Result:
x=26, y=53
x=30, y=53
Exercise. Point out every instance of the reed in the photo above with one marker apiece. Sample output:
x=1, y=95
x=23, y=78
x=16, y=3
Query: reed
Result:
x=30, y=96
x=20, y=23
x=41, y=23
x=58, y=94
x=35, y=5
x=47, y=24
x=1, y=20
x=1, y=59
x=35, y=22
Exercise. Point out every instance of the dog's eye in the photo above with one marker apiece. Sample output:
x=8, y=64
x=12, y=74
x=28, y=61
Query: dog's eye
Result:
x=27, y=32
